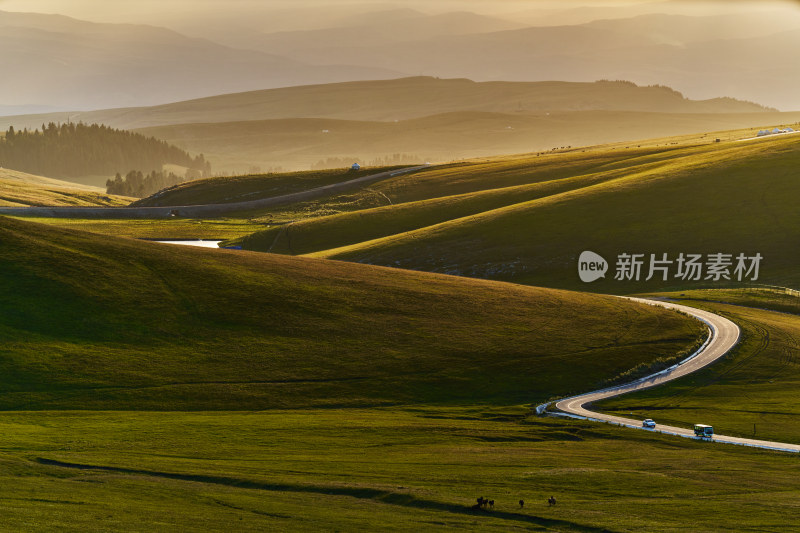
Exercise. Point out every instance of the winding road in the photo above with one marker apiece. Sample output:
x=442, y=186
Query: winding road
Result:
x=208, y=210
x=724, y=336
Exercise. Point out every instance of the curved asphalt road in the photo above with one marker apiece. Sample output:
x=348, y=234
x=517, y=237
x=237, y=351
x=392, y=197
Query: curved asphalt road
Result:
x=724, y=336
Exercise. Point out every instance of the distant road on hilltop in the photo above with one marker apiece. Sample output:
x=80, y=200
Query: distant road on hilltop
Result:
x=208, y=210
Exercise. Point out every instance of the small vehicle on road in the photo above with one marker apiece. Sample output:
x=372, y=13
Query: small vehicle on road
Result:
x=648, y=423
x=703, y=431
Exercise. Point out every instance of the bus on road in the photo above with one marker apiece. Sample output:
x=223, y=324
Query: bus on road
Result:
x=703, y=431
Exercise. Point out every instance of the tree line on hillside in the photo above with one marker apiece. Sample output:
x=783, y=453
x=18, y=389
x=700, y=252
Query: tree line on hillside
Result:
x=385, y=161
x=75, y=150
x=137, y=184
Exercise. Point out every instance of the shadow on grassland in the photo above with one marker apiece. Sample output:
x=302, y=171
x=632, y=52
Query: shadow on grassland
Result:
x=382, y=496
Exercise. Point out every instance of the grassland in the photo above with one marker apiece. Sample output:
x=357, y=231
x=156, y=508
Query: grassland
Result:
x=411, y=469
x=224, y=190
x=453, y=192
x=90, y=322
x=163, y=229
x=377, y=470
x=312, y=234
x=227, y=190
x=21, y=189
x=319, y=395
x=686, y=199
x=448, y=196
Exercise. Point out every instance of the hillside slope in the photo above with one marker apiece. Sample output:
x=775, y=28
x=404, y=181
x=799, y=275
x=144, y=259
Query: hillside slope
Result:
x=232, y=189
x=731, y=198
x=20, y=189
x=121, y=324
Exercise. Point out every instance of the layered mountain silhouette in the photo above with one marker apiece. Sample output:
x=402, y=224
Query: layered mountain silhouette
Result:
x=75, y=65
x=61, y=62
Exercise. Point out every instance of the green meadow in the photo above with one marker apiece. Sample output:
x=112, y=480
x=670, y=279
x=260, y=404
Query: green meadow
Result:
x=498, y=218
x=232, y=189
x=699, y=200
x=92, y=322
x=149, y=387
x=19, y=189
x=166, y=229
x=399, y=469
x=160, y=388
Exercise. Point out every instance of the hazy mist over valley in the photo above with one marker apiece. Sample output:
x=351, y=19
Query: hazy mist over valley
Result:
x=291, y=85
x=128, y=53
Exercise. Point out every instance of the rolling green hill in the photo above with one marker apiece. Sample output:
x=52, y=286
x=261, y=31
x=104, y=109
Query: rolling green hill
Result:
x=321, y=233
x=223, y=190
x=92, y=322
x=730, y=197
x=455, y=191
x=21, y=189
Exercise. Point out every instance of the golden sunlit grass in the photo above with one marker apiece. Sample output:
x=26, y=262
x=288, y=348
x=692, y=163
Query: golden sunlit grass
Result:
x=21, y=189
x=722, y=197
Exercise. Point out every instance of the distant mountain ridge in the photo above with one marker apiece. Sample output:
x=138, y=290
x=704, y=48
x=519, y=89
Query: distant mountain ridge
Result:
x=401, y=99
x=746, y=55
x=77, y=65
x=73, y=64
x=303, y=143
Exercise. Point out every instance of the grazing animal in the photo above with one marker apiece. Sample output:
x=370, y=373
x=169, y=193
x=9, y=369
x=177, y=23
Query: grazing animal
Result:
x=521, y=504
x=483, y=503
x=551, y=501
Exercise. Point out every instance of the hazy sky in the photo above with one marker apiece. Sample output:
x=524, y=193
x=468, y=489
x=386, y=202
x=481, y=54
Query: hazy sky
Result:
x=156, y=11
x=256, y=38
